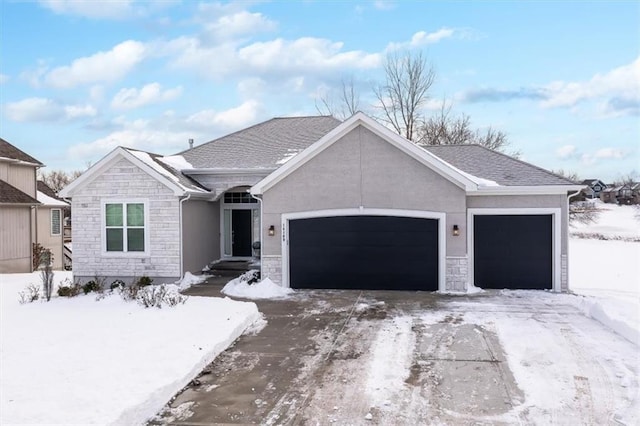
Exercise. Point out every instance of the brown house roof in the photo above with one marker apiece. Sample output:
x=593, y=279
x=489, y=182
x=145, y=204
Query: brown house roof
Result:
x=11, y=195
x=9, y=151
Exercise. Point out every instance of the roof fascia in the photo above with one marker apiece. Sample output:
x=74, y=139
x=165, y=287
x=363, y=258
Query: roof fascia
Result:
x=105, y=162
x=526, y=190
x=337, y=133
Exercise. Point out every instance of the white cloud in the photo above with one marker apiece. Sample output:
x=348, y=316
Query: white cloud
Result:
x=608, y=153
x=99, y=67
x=422, y=38
x=239, y=24
x=566, y=151
x=384, y=4
x=169, y=132
x=623, y=81
x=149, y=94
x=90, y=8
x=43, y=110
x=3, y=78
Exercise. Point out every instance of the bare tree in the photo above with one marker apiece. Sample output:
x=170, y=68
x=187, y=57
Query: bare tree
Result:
x=567, y=174
x=347, y=104
x=405, y=91
x=443, y=128
x=58, y=179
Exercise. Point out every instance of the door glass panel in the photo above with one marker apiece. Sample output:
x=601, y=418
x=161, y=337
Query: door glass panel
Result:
x=227, y=232
x=256, y=225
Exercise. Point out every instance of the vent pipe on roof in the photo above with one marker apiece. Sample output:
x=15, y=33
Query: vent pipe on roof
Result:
x=190, y=143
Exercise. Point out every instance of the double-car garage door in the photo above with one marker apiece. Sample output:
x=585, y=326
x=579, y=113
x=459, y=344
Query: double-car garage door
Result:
x=401, y=253
x=364, y=252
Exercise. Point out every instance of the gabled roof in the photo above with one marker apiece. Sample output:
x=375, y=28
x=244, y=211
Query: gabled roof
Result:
x=9, y=194
x=47, y=196
x=10, y=152
x=266, y=145
x=496, y=166
x=150, y=163
x=591, y=182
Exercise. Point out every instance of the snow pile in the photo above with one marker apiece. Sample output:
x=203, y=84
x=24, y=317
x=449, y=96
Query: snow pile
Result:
x=177, y=162
x=265, y=289
x=189, y=279
x=614, y=222
x=82, y=361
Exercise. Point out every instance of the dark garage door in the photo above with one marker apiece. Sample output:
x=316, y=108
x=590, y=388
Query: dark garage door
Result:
x=513, y=251
x=364, y=252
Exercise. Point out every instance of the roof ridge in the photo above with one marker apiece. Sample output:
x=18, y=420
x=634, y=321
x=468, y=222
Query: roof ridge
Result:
x=27, y=158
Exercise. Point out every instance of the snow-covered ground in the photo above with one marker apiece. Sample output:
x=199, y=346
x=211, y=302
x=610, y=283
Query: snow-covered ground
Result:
x=607, y=272
x=83, y=361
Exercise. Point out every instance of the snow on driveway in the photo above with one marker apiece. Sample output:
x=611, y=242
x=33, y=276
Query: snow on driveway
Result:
x=82, y=361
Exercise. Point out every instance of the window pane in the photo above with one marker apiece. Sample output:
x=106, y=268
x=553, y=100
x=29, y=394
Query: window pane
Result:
x=114, y=239
x=113, y=214
x=135, y=239
x=135, y=214
x=55, y=221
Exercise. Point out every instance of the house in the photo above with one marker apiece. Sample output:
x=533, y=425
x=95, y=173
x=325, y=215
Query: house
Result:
x=49, y=226
x=593, y=187
x=30, y=213
x=625, y=194
x=635, y=192
x=609, y=194
x=334, y=205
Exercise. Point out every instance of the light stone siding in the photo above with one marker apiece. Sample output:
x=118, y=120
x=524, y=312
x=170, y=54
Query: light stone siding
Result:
x=122, y=181
x=564, y=273
x=272, y=268
x=457, y=274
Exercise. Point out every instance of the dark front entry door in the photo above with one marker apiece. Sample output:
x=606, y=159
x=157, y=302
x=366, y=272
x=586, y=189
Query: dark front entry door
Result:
x=513, y=251
x=364, y=252
x=241, y=233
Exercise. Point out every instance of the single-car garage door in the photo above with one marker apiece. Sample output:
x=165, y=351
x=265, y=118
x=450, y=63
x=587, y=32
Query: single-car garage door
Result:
x=513, y=251
x=364, y=252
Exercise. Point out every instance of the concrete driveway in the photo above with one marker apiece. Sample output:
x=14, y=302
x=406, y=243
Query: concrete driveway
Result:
x=350, y=357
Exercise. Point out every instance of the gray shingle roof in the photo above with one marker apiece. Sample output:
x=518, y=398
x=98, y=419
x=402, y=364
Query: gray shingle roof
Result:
x=262, y=146
x=11, y=195
x=9, y=151
x=500, y=168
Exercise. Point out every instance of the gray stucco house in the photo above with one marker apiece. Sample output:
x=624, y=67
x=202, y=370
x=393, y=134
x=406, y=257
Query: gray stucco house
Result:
x=334, y=204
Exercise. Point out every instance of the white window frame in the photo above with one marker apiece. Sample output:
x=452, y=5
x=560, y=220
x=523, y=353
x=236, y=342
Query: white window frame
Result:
x=103, y=228
x=363, y=211
x=556, y=236
x=59, y=222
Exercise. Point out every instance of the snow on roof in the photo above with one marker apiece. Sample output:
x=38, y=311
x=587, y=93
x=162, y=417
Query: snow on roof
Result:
x=482, y=183
x=146, y=158
x=50, y=201
x=178, y=162
x=288, y=155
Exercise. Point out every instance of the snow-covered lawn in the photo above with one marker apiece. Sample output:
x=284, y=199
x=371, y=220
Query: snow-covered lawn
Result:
x=82, y=361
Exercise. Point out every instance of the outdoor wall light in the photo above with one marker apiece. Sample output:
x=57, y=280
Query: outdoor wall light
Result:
x=456, y=230
x=272, y=231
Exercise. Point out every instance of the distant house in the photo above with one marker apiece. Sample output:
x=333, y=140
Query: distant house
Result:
x=625, y=194
x=594, y=187
x=609, y=195
x=635, y=192
x=28, y=212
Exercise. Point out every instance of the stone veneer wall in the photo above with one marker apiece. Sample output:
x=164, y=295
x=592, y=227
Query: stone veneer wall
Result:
x=564, y=273
x=272, y=268
x=457, y=274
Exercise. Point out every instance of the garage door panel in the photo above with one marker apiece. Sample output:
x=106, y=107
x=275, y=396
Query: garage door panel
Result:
x=513, y=251
x=364, y=252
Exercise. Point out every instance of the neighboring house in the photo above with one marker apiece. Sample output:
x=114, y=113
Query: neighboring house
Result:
x=609, y=194
x=594, y=187
x=334, y=204
x=635, y=192
x=49, y=227
x=625, y=194
x=17, y=208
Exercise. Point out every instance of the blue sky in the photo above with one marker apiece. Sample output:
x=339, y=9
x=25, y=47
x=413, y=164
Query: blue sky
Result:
x=78, y=78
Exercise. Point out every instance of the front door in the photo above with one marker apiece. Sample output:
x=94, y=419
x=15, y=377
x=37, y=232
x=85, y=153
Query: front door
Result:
x=241, y=233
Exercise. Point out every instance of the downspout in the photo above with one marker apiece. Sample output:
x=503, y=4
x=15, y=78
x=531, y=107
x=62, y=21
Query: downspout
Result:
x=33, y=223
x=568, y=213
x=181, y=235
x=261, y=232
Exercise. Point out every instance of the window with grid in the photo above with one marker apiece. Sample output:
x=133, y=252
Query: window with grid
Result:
x=56, y=221
x=125, y=227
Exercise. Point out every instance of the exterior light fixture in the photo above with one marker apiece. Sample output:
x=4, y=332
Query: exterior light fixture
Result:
x=272, y=231
x=456, y=230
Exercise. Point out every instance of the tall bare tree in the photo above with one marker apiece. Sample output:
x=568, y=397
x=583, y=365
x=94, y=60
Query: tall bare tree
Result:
x=405, y=91
x=347, y=104
x=58, y=179
x=442, y=128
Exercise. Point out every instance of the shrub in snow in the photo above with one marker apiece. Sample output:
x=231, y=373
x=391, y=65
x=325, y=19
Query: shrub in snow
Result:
x=143, y=281
x=68, y=289
x=94, y=285
x=46, y=274
x=584, y=212
x=250, y=277
x=30, y=294
x=117, y=285
x=157, y=296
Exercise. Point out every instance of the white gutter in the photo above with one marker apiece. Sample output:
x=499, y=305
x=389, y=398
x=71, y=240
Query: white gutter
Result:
x=181, y=235
x=524, y=190
x=567, y=236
